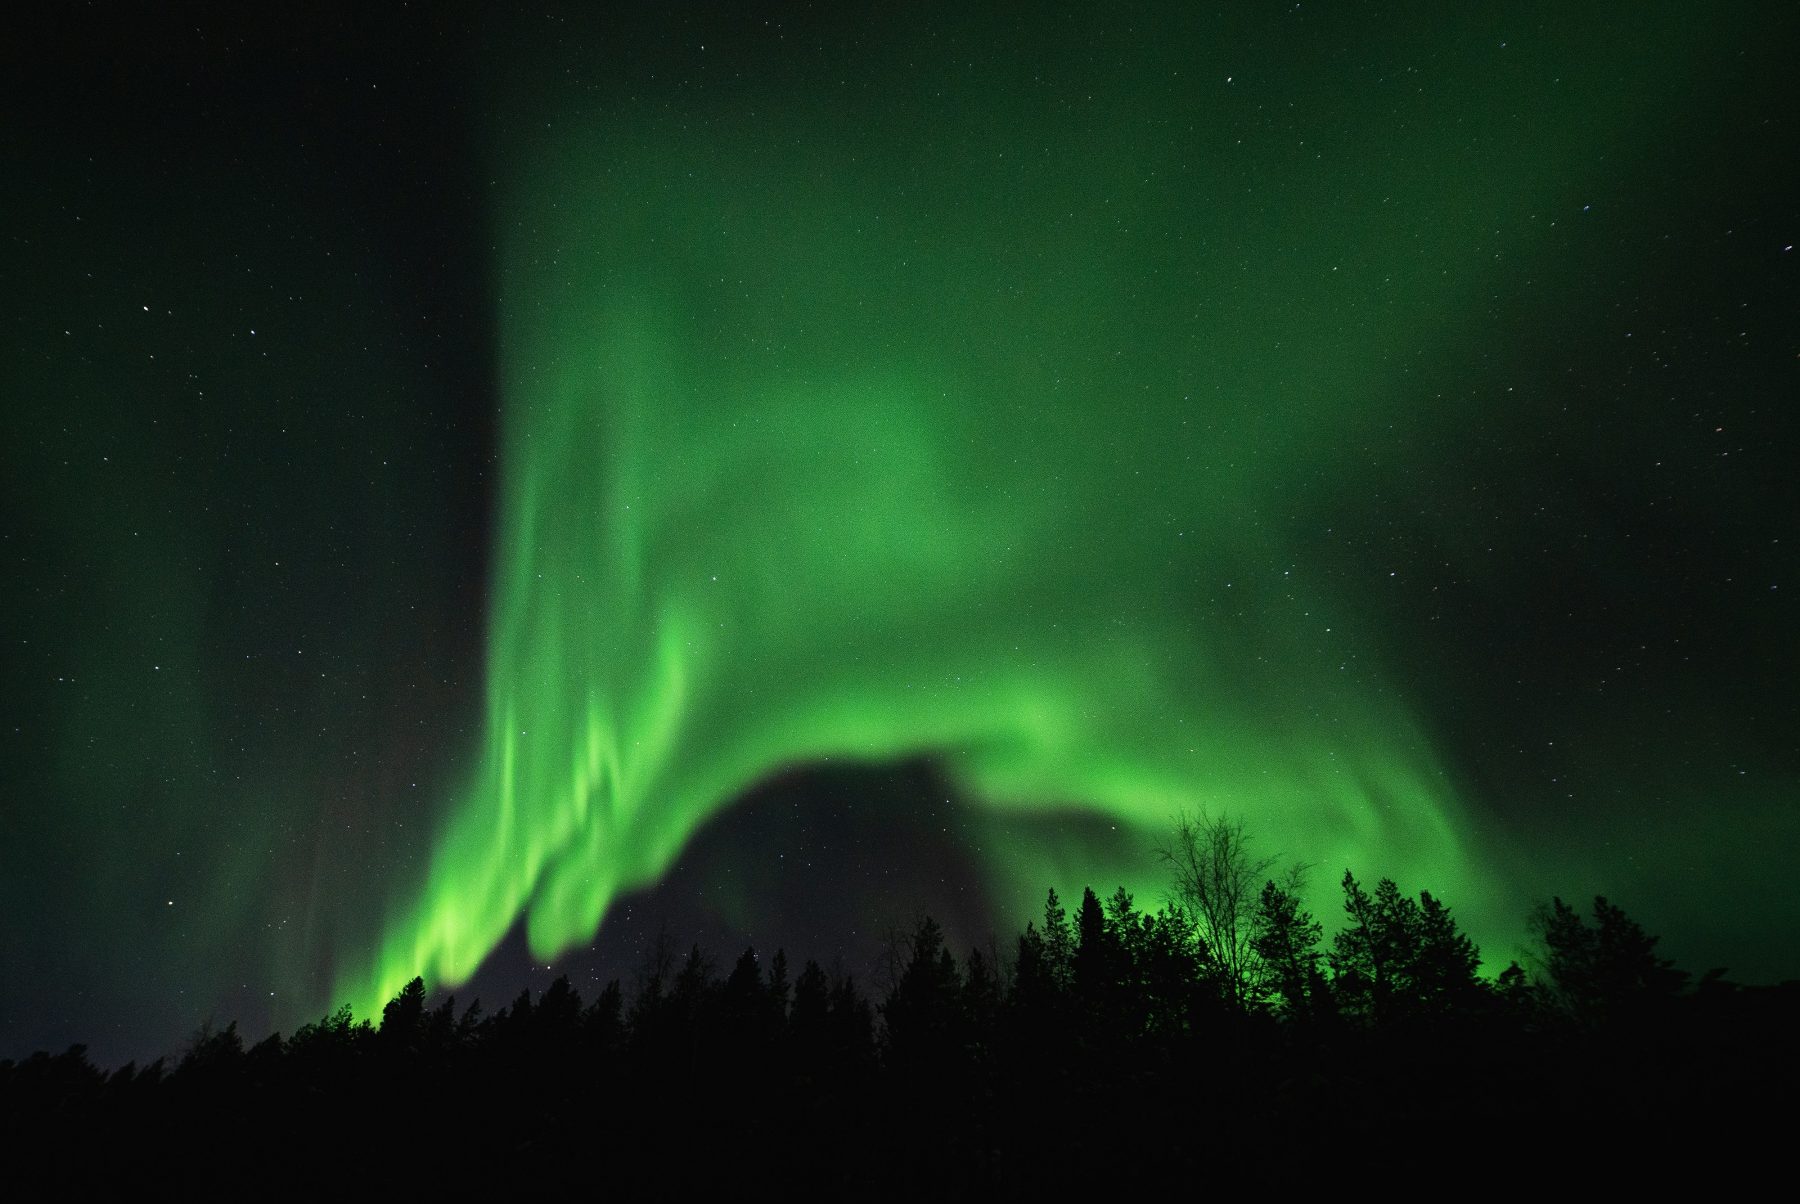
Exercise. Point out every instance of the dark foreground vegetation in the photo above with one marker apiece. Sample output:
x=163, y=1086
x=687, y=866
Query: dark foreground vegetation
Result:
x=1216, y=1043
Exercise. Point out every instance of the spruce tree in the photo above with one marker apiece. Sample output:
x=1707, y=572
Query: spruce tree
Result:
x=1287, y=940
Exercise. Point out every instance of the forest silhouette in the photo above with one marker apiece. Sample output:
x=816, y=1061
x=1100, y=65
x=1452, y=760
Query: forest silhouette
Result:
x=1217, y=1040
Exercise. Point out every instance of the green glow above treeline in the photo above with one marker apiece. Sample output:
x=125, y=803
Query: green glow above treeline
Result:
x=1005, y=427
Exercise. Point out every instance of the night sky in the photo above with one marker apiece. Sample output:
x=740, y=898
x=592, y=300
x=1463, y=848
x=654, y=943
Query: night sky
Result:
x=483, y=489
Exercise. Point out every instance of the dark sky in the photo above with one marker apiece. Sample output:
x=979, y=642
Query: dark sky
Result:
x=764, y=474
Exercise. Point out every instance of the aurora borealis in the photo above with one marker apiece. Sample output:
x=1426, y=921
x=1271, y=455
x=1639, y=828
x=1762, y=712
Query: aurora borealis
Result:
x=454, y=463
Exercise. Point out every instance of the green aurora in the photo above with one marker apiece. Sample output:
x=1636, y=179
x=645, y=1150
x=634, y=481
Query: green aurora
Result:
x=1000, y=427
x=475, y=486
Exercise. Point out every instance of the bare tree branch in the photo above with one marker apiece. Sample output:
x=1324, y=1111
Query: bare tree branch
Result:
x=1218, y=881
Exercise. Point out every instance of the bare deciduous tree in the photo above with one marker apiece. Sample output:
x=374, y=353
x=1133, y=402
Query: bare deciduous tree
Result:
x=1218, y=882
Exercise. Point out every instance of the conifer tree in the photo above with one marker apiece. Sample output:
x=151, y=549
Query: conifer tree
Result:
x=403, y=1018
x=1059, y=943
x=1286, y=938
x=1399, y=958
x=812, y=1002
x=1445, y=972
x=1597, y=973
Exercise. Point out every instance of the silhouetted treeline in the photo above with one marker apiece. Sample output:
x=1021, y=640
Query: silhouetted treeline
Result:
x=1109, y=1049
